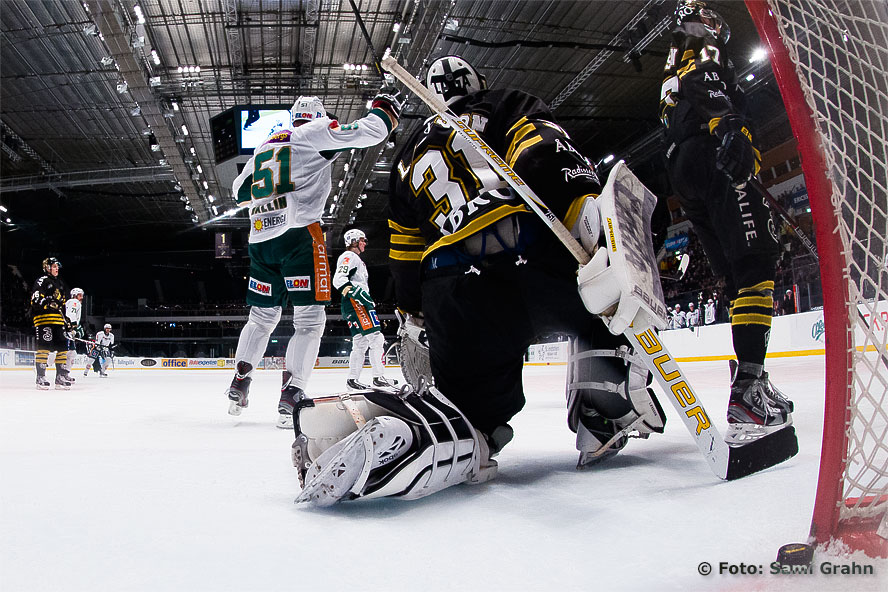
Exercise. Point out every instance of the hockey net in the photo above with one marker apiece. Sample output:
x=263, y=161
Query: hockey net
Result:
x=830, y=59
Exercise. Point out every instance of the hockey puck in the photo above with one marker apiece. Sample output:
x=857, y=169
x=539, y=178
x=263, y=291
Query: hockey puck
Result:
x=795, y=554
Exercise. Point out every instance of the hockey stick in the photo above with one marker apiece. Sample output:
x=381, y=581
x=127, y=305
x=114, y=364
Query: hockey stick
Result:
x=489, y=155
x=682, y=269
x=726, y=462
x=376, y=61
x=786, y=216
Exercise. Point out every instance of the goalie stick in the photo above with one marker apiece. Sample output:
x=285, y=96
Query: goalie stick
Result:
x=727, y=462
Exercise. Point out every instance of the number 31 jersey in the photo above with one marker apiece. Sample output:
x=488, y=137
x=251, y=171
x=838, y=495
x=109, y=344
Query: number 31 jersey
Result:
x=286, y=182
x=443, y=190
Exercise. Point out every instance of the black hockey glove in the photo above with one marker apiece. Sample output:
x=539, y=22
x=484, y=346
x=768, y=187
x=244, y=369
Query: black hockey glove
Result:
x=736, y=157
x=388, y=100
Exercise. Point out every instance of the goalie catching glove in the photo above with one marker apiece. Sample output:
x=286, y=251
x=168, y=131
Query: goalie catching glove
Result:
x=381, y=444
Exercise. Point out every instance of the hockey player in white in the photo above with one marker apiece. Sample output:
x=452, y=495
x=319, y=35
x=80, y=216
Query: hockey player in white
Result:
x=285, y=186
x=73, y=311
x=101, y=351
x=359, y=311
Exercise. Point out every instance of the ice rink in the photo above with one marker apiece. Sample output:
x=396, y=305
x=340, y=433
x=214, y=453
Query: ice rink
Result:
x=142, y=481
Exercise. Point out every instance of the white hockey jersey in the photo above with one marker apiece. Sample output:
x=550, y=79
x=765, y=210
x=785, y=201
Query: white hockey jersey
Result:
x=103, y=339
x=350, y=268
x=286, y=182
x=73, y=309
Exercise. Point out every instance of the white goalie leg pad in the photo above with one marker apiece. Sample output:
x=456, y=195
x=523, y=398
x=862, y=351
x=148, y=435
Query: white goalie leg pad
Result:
x=376, y=343
x=356, y=357
x=355, y=446
x=302, y=351
x=254, y=336
x=413, y=351
x=609, y=400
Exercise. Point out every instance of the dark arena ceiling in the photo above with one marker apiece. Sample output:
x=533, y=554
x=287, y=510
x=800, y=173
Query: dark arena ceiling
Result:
x=89, y=85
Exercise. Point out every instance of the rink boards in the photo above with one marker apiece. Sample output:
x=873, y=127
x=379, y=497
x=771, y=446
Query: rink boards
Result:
x=800, y=334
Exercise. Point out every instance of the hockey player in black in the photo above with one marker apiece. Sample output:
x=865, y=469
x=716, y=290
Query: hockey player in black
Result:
x=47, y=313
x=489, y=279
x=711, y=157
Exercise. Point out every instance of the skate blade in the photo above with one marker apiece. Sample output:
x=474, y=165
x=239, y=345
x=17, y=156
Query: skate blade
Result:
x=285, y=422
x=739, y=434
x=234, y=408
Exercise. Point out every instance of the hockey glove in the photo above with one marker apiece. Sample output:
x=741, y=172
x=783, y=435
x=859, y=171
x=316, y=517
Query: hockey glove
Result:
x=736, y=157
x=388, y=100
x=359, y=295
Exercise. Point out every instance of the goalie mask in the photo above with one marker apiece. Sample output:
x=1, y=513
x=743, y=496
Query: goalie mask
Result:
x=694, y=19
x=450, y=78
x=307, y=109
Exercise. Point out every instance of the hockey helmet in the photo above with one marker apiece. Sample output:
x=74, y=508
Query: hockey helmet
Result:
x=450, y=78
x=75, y=292
x=49, y=262
x=353, y=236
x=107, y=327
x=693, y=18
x=307, y=109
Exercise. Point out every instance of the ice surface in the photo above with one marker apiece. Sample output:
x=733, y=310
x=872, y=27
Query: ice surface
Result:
x=142, y=481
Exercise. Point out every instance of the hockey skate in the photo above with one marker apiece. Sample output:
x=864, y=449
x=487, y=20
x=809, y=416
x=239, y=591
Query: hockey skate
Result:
x=290, y=395
x=752, y=413
x=42, y=383
x=775, y=396
x=354, y=385
x=383, y=382
x=239, y=388
x=61, y=382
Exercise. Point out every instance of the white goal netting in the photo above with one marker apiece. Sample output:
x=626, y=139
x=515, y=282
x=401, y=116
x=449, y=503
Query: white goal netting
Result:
x=839, y=52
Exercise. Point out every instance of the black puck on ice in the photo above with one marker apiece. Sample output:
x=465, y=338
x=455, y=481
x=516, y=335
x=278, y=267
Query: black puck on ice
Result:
x=795, y=554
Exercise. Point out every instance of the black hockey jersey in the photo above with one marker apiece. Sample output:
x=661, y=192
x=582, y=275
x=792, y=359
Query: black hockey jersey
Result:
x=443, y=191
x=699, y=87
x=48, y=301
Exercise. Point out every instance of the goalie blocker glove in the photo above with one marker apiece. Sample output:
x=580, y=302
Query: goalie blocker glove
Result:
x=736, y=157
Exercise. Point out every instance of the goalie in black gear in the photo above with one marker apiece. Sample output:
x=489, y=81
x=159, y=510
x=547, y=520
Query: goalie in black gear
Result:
x=488, y=279
x=711, y=156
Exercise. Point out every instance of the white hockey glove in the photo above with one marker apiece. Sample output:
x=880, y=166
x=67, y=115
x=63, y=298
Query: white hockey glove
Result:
x=602, y=294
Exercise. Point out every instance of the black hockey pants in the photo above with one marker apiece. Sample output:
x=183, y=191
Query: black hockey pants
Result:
x=481, y=319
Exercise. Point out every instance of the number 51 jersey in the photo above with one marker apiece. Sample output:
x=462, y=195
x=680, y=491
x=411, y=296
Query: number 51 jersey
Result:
x=286, y=182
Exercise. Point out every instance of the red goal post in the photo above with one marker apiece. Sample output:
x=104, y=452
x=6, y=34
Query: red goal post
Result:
x=830, y=59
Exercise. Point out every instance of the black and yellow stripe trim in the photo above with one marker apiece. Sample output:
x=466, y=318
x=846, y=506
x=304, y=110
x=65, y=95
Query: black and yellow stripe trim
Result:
x=403, y=229
x=754, y=305
x=475, y=225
